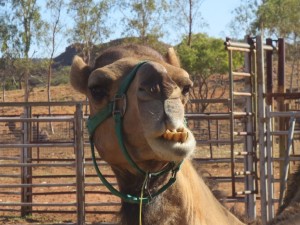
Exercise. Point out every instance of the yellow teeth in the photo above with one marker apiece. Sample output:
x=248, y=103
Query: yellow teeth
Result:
x=179, y=135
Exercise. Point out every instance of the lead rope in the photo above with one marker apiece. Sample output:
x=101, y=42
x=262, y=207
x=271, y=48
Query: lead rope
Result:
x=142, y=194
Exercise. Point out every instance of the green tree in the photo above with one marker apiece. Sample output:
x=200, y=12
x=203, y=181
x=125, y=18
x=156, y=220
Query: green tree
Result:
x=26, y=13
x=204, y=57
x=282, y=18
x=91, y=24
x=144, y=18
x=244, y=18
x=187, y=16
x=54, y=27
x=206, y=61
x=279, y=18
x=10, y=44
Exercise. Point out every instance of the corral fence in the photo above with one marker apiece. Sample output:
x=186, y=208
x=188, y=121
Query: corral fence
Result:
x=245, y=142
x=46, y=166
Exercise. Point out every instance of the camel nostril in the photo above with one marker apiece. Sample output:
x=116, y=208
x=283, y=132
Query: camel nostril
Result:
x=186, y=89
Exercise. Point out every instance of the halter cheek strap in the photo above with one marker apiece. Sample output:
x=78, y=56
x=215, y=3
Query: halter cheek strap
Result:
x=112, y=110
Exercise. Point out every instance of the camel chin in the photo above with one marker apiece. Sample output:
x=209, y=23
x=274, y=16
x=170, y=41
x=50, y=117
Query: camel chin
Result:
x=173, y=145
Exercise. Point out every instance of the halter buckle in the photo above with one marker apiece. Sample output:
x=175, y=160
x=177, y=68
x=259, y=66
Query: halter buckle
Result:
x=116, y=109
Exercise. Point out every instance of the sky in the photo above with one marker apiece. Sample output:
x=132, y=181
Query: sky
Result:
x=217, y=14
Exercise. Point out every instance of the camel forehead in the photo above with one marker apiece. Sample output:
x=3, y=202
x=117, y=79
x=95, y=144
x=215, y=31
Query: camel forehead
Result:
x=176, y=73
x=112, y=71
x=123, y=67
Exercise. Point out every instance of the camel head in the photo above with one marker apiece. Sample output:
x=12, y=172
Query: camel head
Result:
x=151, y=107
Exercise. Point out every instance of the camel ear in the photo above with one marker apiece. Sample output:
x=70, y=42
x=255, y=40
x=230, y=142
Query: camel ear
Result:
x=79, y=75
x=172, y=58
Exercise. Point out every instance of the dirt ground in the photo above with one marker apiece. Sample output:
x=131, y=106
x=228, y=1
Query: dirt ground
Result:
x=94, y=215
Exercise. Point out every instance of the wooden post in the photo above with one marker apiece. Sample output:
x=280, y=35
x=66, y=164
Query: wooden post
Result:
x=281, y=106
x=270, y=177
x=269, y=127
x=209, y=138
x=79, y=153
x=269, y=62
x=26, y=172
x=218, y=133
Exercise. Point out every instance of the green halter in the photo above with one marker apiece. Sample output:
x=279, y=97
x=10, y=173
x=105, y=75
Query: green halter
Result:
x=111, y=110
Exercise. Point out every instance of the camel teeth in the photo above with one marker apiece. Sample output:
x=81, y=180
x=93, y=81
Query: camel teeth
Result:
x=170, y=136
x=177, y=137
x=184, y=136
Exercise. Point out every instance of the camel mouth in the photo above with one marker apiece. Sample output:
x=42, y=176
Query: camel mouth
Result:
x=178, y=135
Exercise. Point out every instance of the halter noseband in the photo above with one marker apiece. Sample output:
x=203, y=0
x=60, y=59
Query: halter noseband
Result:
x=112, y=110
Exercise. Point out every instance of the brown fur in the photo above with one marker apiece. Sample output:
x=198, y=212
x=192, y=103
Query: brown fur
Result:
x=171, y=57
x=155, y=104
x=187, y=202
x=115, y=53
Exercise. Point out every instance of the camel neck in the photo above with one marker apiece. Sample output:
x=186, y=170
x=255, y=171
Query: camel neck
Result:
x=152, y=211
x=188, y=202
x=132, y=184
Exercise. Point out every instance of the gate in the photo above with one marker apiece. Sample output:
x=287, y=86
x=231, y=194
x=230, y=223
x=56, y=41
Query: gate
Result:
x=271, y=118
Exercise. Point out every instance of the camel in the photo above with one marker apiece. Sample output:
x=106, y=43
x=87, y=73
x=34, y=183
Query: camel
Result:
x=150, y=152
x=289, y=212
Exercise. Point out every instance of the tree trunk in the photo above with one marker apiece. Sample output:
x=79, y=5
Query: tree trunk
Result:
x=49, y=92
x=26, y=86
x=190, y=23
x=3, y=91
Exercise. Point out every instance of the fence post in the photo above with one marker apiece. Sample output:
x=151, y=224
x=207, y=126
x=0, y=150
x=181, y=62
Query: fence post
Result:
x=280, y=100
x=262, y=128
x=269, y=128
x=249, y=160
x=26, y=172
x=79, y=154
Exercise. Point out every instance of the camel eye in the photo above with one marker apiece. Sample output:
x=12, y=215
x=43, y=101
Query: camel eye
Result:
x=186, y=89
x=98, y=93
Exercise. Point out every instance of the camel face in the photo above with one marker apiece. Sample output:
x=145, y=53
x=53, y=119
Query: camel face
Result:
x=160, y=96
x=153, y=123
